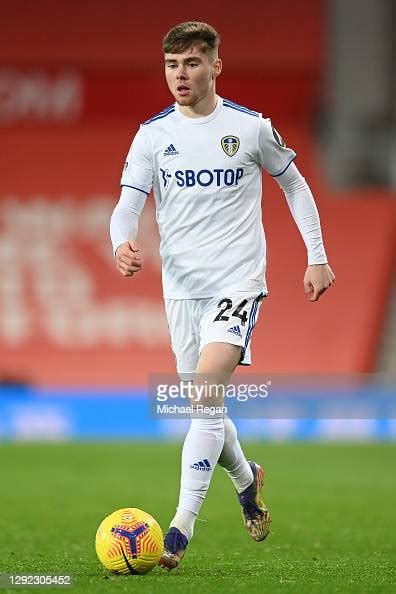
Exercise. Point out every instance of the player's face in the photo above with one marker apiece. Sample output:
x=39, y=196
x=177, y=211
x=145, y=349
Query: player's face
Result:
x=191, y=76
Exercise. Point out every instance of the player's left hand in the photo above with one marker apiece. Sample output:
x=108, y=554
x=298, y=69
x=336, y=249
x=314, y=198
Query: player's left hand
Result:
x=318, y=278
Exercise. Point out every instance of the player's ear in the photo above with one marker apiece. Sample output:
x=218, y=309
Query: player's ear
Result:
x=217, y=67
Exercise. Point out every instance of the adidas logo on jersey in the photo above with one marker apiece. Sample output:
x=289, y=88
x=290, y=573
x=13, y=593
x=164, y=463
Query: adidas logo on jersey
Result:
x=170, y=151
x=235, y=330
x=201, y=465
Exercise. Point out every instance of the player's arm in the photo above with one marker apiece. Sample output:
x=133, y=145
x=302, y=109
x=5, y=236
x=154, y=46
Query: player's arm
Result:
x=318, y=275
x=277, y=159
x=136, y=183
x=123, y=231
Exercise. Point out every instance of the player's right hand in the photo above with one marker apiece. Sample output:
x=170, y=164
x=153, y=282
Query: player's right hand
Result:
x=128, y=258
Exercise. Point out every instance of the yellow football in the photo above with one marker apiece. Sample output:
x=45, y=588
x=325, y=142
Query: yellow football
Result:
x=129, y=541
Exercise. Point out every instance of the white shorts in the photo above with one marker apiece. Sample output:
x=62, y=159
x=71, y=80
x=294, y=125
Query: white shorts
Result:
x=194, y=323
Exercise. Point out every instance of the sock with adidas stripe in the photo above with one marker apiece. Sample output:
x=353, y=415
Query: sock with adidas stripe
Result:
x=201, y=450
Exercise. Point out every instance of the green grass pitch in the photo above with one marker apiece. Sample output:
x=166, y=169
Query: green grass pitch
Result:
x=333, y=508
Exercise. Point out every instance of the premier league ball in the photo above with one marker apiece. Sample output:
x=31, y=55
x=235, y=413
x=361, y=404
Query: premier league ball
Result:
x=129, y=541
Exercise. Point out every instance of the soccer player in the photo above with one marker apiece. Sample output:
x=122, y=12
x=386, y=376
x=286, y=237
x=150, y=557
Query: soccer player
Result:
x=203, y=156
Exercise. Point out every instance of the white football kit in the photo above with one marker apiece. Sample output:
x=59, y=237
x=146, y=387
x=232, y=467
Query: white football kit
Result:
x=206, y=175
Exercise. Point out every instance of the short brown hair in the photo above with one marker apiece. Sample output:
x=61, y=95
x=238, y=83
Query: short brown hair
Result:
x=190, y=33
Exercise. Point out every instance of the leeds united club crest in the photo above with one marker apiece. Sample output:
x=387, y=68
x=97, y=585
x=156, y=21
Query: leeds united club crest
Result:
x=230, y=145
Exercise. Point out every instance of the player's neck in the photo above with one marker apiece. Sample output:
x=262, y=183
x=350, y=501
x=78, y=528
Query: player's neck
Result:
x=201, y=109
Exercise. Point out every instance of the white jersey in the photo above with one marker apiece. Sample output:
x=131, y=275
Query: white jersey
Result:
x=206, y=174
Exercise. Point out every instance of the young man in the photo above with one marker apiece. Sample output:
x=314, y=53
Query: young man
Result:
x=203, y=156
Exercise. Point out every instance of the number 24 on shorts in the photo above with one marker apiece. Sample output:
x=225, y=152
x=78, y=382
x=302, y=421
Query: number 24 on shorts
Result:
x=225, y=305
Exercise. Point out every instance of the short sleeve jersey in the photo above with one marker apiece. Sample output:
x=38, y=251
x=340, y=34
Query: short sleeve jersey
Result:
x=206, y=176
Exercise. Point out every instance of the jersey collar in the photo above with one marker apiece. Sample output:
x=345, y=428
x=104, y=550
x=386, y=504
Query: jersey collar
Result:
x=200, y=121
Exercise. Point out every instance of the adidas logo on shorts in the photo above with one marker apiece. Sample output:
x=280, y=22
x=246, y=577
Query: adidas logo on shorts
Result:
x=235, y=330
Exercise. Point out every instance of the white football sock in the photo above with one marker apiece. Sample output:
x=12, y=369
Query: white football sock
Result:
x=233, y=460
x=201, y=450
x=184, y=520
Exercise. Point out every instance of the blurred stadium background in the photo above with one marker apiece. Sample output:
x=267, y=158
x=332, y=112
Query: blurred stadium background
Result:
x=76, y=78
